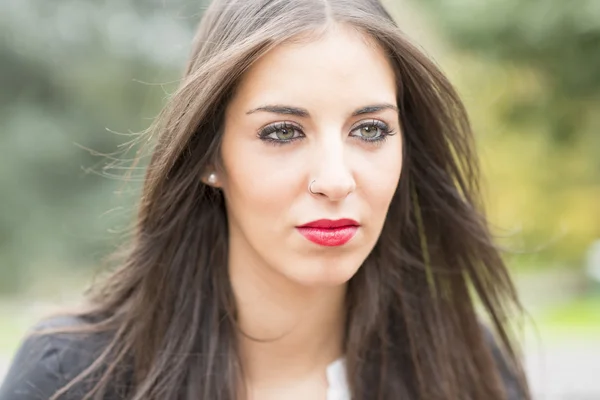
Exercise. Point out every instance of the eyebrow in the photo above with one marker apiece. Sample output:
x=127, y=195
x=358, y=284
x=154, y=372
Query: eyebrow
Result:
x=301, y=112
x=374, y=108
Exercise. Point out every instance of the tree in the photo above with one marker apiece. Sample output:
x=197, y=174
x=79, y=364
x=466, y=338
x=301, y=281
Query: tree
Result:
x=68, y=85
x=530, y=73
x=558, y=40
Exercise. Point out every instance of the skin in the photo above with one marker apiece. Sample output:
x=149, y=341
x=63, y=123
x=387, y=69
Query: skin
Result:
x=290, y=291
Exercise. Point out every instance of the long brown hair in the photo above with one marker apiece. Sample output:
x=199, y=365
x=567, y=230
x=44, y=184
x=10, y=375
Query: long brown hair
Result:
x=412, y=328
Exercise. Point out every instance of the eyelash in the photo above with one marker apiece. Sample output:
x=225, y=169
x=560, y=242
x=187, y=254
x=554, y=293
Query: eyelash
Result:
x=264, y=133
x=269, y=129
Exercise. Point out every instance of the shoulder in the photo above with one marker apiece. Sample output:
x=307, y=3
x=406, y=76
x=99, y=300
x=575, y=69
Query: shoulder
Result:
x=49, y=358
x=509, y=377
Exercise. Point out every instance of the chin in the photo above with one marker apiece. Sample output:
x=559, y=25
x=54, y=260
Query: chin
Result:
x=327, y=274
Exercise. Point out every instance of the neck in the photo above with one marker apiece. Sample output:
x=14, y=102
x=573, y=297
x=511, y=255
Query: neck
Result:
x=287, y=331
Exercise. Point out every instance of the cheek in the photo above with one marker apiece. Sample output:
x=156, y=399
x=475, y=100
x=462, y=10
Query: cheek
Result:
x=257, y=188
x=381, y=179
x=378, y=189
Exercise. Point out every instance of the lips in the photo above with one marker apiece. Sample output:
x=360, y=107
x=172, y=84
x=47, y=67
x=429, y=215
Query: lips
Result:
x=326, y=232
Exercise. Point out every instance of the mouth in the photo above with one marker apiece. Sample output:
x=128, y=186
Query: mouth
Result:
x=326, y=232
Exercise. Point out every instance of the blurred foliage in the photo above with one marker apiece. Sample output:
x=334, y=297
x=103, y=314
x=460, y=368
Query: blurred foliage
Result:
x=72, y=74
x=580, y=316
x=78, y=76
x=529, y=72
x=557, y=40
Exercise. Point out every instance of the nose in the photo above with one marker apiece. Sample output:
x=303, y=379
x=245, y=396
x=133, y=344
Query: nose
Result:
x=332, y=176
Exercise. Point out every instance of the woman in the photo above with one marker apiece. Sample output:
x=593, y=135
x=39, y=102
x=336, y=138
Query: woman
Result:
x=309, y=228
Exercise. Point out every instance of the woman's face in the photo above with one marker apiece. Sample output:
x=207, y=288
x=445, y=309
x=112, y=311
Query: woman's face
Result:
x=323, y=111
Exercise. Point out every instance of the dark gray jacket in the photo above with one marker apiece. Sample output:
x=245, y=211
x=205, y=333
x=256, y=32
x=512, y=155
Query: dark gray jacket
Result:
x=43, y=364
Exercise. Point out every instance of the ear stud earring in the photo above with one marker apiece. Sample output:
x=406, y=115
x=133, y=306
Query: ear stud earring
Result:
x=212, y=178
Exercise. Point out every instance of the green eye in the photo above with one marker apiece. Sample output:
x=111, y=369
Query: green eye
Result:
x=369, y=131
x=281, y=133
x=372, y=131
x=285, y=133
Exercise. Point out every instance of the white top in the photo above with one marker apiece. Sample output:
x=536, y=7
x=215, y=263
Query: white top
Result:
x=337, y=379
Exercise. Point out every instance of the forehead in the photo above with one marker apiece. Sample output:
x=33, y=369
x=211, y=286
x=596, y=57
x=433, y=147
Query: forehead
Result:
x=340, y=65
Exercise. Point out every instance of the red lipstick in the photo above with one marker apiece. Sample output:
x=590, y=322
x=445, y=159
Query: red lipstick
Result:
x=327, y=232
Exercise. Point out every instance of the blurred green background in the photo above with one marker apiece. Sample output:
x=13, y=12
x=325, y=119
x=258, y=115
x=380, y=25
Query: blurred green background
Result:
x=81, y=78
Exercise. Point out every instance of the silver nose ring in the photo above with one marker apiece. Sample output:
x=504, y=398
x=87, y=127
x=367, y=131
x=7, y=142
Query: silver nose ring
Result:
x=310, y=186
